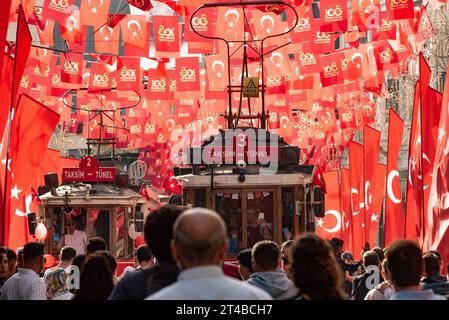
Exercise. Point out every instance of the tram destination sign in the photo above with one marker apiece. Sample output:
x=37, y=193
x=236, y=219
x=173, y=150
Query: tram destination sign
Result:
x=89, y=171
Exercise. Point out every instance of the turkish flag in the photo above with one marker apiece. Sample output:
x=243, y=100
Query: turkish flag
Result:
x=31, y=129
x=364, y=14
x=331, y=225
x=134, y=30
x=394, y=215
x=94, y=12
x=166, y=34
x=71, y=30
x=357, y=215
x=436, y=214
x=345, y=197
x=371, y=142
x=400, y=9
x=22, y=51
x=4, y=17
x=6, y=90
x=431, y=106
x=378, y=196
x=413, y=218
x=106, y=40
x=217, y=72
x=171, y=184
x=144, y=193
x=144, y=5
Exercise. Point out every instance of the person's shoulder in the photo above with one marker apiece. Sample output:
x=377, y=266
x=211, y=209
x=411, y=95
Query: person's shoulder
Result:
x=170, y=292
x=249, y=289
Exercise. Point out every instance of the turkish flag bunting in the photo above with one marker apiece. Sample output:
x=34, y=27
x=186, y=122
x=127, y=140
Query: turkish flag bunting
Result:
x=144, y=5
x=394, y=214
x=331, y=225
x=318, y=179
x=94, y=12
x=106, y=40
x=129, y=76
x=134, y=30
x=71, y=66
x=58, y=10
x=31, y=129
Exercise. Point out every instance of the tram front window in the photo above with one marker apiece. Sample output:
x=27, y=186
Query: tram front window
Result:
x=229, y=206
x=99, y=224
x=75, y=225
x=260, y=215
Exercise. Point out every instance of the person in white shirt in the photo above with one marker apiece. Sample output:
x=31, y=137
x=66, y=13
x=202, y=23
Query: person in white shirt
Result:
x=199, y=248
x=75, y=238
x=26, y=284
x=384, y=290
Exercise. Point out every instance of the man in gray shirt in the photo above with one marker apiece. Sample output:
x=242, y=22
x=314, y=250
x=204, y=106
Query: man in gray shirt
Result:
x=199, y=248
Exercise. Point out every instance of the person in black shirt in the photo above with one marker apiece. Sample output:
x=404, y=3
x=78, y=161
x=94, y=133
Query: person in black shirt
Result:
x=158, y=231
x=361, y=284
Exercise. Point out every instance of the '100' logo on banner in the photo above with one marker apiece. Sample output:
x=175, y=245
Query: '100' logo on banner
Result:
x=399, y=4
x=101, y=81
x=166, y=34
x=334, y=14
x=187, y=75
x=200, y=23
x=127, y=75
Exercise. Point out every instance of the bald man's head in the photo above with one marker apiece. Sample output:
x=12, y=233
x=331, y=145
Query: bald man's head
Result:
x=199, y=237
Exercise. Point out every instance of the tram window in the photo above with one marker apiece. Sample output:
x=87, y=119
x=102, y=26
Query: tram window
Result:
x=120, y=232
x=200, y=198
x=75, y=220
x=288, y=211
x=98, y=224
x=260, y=217
x=229, y=206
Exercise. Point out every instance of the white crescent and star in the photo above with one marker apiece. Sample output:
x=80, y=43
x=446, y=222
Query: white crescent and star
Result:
x=393, y=174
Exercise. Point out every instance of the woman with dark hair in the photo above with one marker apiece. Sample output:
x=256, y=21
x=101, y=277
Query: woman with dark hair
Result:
x=315, y=270
x=97, y=279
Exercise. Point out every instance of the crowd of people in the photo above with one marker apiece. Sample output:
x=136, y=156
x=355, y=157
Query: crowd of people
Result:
x=184, y=258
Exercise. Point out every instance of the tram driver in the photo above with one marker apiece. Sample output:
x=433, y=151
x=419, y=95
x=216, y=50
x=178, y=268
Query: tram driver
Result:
x=258, y=228
x=75, y=238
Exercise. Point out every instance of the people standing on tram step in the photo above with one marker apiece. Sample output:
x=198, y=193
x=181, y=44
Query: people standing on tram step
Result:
x=158, y=232
x=26, y=284
x=95, y=244
x=4, y=266
x=97, y=279
x=315, y=270
x=56, y=278
x=432, y=277
x=12, y=261
x=267, y=275
x=75, y=238
x=405, y=267
x=360, y=284
x=199, y=247
x=385, y=289
x=245, y=264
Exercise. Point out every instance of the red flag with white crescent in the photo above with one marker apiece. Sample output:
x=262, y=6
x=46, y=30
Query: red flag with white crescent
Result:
x=394, y=214
x=431, y=106
x=331, y=225
x=94, y=12
x=371, y=141
x=413, y=217
x=134, y=30
x=358, y=235
x=345, y=206
x=31, y=129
